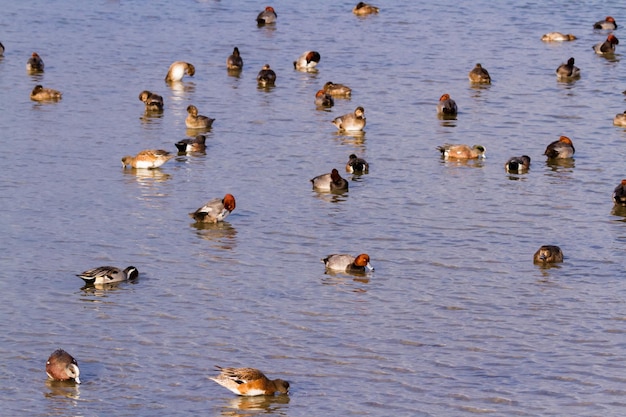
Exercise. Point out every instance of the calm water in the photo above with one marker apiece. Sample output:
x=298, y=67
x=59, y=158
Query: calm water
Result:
x=456, y=320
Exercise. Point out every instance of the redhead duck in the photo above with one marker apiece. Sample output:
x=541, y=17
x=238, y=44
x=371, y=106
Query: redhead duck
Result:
x=192, y=145
x=322, y=99
x=195, y=120
x=562, y=148
x=557, y=37
x=620, y=119
x=330, y=182
x=147, y=159
x=607, y=47
x=607, y=23
x=154, y=102
x=352, y=121
x=362, y=9
x=356, y=165
x=61, y=366
x=548, y=254
x=307, y=61
x=462, y=151
x=479, y=75
x=234, y=61
x=619, y=194
x=348, y=263
x=108, y=275
x=567, y=71
x=337, y=90
x=267, y=16
x=266, y=77
x=45, y=94
x=34, y=63
x=249, y=382
x=215, y=210
x=178, y=69
x=518, y=164
x=446, y=107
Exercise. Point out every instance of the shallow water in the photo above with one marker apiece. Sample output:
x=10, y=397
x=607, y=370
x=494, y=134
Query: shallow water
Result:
x=455, y=320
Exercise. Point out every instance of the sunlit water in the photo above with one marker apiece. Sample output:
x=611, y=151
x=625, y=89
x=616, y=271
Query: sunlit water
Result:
x=455, y=320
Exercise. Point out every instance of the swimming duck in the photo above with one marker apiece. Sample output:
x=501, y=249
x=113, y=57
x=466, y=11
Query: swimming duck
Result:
x=356, y=165
x=148, y=158
x=44, y=94
x=35, y=63
x=337, y=90
x=267, y=16
x=215, y=210
x=154, y=102
x=567, y=71
x=330, y=182
x=607, y=23
x=606, y=47
x=249, y=382
x=446, y=106
x=479, y=75
x=192, y=145
x=557, y=37
x=234, y=61
x=108, y=275
x=361, y=9
x=307, y=61
x=351, y=121
x=518, y=164
x=196, y=121
x=619, y=194
x=322, y=99
x=266, y=76
x=562, y=148
x=348, y=263
x=1, y=49
x=548, y=254
x=178, y=69
x=461, y=151
x=61, y=366
x=620, y=119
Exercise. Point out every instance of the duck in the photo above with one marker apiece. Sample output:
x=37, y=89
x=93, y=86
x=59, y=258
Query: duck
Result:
x=1, y=49
x=61, y=366
x=266, y=77
x=446, y=106
x=323, y=99
x=330, y=182
x=548, y=254
x=249, y=382
x=567, y=71
x=356, y=165
x=461, y=151
x=215, y=210
x=307, y=61
x=40, y=93
x=234, y=61
x=607, y=47
x=108, y=275
x=348, y=263
x=267, y=16
x=620, y=119
x=362, y=9
x=518, y=164
x=558, y=37
x=352, y=122
x=337, y=90
x=608, y=24
x=147, y=159
x=562, y=148
x=192, y=145
x=154, y=102
x=195, y=120
x=177, y=71
x=479, y=75
x=34, y=63
x=619, y=194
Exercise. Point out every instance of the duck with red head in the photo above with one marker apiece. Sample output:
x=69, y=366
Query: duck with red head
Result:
x=348, y=263
x=215, y=210
x=307, y=61
x=607, y=47
x=559, y=149
x=267, y=16
x=330, y=182
x=607, y=24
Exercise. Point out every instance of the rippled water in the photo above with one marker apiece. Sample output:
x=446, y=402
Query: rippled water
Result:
x=455, y=320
